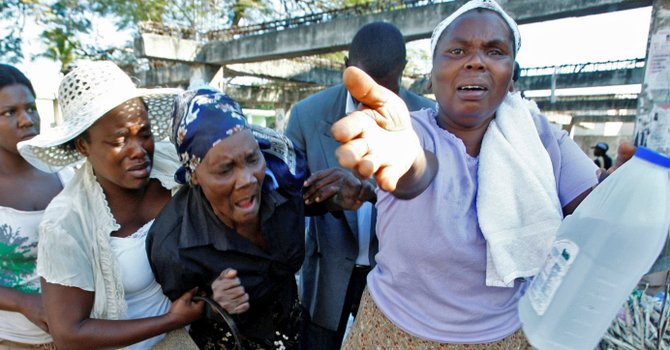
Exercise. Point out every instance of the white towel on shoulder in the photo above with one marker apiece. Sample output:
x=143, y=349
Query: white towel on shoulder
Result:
x=517, y=203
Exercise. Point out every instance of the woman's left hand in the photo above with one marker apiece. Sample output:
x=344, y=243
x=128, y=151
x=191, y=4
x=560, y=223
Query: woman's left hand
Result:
x=227, y=290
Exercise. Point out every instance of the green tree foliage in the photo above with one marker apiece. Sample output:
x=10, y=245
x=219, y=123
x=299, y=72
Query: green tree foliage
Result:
x=67, y=24
x=14, y=13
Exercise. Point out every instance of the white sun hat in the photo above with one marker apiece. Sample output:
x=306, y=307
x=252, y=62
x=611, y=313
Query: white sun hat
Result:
x=85, y=95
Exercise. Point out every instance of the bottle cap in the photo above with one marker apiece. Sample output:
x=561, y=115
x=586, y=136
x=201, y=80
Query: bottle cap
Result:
x=653, y=157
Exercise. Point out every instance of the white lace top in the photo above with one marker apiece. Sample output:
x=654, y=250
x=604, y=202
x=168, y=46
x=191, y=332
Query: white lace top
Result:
x=143, y=294
x=74, y=236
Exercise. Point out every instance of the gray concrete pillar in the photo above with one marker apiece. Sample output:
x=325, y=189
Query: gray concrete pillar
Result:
x=201, y=74
x=652, y=127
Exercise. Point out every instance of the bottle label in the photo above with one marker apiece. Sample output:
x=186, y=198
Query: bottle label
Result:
x=545, y=284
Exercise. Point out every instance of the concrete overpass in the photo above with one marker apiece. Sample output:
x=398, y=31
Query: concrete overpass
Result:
x=268, y=50
x=326, y=33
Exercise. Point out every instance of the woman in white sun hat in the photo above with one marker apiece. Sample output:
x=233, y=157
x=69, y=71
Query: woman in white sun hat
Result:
x=98, y=288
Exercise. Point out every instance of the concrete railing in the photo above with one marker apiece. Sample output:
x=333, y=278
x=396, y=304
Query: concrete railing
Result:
x=286, y=23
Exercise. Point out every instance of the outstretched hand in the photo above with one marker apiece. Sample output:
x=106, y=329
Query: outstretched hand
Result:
x=377, y=140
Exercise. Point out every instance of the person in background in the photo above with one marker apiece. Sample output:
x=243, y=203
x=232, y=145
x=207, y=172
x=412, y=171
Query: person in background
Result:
x=469, y=198
x=602, y=160
x=625, y=152
x=98, y=289
x=340, y=247
x=25, y=192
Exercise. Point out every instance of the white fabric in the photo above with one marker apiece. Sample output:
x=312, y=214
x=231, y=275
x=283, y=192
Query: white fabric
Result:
x=520, y=215
x=74, y=247
x=471, y=5
x=143, y=294
x=364, y=213
x=18, y=234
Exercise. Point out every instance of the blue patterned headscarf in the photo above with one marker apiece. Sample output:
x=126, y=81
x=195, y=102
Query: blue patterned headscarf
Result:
x=203, y=117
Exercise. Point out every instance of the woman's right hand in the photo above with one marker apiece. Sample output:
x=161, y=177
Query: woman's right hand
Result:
x=377, y=140
x=184, y=310
x=227, y=290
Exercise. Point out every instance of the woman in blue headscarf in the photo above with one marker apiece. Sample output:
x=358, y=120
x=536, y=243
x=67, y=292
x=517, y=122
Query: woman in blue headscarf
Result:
x=236, y=229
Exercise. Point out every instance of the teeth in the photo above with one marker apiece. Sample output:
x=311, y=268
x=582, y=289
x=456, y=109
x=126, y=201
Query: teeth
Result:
x=471, y=87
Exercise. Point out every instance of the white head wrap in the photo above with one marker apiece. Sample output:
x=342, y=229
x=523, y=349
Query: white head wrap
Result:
x=471, y=5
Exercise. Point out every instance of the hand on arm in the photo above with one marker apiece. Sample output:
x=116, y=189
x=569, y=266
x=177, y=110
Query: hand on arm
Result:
x=379, y=141
x=69, y=308
x=30, y=305
x=339, y=189
x=227, y=290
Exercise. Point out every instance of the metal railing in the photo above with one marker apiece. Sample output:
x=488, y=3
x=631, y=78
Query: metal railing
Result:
x=286, y=23
x=583, y=67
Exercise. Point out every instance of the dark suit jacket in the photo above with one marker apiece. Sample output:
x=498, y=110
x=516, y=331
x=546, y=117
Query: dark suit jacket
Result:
x=331, y=245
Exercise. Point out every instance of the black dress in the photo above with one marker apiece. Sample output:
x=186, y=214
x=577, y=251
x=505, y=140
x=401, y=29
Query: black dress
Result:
x=189, y=246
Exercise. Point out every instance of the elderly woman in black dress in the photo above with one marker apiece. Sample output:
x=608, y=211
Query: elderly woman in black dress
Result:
x=237, y=228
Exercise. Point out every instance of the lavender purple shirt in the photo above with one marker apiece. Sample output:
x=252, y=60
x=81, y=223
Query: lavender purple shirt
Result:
x=430, y=273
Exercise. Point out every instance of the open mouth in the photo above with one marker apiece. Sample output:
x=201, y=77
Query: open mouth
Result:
x=246, y=203
x=472, y=88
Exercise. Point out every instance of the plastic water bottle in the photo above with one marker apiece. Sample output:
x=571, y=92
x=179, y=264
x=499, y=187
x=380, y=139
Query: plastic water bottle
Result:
x=599, y=254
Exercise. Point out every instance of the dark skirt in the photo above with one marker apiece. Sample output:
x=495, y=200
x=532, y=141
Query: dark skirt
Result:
x=287, y=333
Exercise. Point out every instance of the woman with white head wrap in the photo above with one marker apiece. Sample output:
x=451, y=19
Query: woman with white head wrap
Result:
x=455, y=253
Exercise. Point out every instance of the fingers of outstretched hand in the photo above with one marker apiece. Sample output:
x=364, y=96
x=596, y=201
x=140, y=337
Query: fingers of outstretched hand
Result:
x=364, y=89
x=390, y=111
x=387, y=177
x=354, y=125
x=351, y=153
x=367, y=166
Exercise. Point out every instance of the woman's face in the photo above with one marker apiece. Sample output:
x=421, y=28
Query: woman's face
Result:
x=231, y=175
x=472, y=69
x=19, y=120
x=120, y=147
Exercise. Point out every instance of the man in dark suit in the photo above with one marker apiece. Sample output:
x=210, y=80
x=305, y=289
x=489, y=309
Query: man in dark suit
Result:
x=340, y=247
